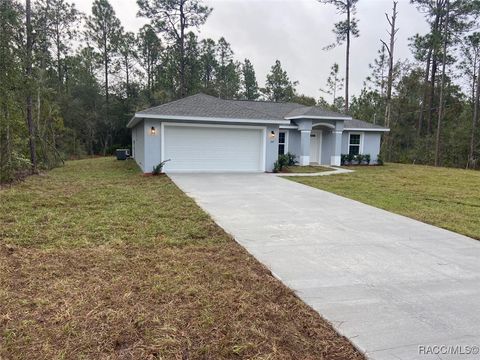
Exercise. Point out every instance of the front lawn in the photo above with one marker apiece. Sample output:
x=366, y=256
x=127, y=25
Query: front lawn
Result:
x=445, y=197
x=305, y=169
x=97, y=261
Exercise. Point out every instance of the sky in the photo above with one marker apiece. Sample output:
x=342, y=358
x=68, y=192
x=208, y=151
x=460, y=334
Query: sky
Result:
x=295, y=32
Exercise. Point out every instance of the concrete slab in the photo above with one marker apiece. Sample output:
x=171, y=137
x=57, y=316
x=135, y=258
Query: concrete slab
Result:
x=389, y=283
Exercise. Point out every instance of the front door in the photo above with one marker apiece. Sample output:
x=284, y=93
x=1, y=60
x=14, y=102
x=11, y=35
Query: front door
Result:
x=315, y=146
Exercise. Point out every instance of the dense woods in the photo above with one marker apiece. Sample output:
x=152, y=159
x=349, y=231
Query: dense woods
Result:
x=69, y=82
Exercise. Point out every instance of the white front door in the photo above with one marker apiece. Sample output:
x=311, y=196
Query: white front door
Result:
x=315, y=146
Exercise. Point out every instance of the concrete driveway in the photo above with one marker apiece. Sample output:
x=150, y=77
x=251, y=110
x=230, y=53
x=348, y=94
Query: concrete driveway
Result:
x=396, y=287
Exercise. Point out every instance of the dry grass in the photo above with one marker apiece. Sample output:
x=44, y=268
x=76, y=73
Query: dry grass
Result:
x=444, y=197
x=98, y=262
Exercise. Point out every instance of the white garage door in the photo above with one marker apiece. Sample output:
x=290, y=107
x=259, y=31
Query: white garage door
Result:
x=213, y=148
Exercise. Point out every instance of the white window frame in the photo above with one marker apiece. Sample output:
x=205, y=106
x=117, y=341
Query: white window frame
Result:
x=360, y=146
x=285, y=144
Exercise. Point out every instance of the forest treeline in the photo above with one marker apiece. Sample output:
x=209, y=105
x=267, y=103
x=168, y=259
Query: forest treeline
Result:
x=69, y=81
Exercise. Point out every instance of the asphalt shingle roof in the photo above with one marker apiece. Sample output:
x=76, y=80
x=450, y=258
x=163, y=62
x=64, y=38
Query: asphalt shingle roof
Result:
x=206, y=106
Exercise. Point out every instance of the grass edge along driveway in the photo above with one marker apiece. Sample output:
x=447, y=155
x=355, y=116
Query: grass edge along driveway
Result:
x=98, y=261
x=444, y=197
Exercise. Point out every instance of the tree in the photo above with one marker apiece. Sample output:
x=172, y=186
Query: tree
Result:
x=128, y=57
x=344, y=30
x=250, y=86
x=173, y=18
x=149, y=54
x=104, y=29
x=29, y=80
x=224, y=55
x=59, y=20
x=471, y=65
x=334, y=82
x=209, y=63
x=278, y=86
x=390, y=48
x=442, y=88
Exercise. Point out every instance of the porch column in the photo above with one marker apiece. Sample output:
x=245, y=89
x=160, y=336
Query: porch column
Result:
x=304, y=147
x=337, y=144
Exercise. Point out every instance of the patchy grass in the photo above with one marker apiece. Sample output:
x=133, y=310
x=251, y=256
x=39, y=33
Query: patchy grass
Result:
x=445, y=197
x=305, y=169
x=97, y=262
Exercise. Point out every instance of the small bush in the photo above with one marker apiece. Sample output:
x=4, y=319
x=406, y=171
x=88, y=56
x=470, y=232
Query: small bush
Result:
x=359, y=159
x=292, y=159
x=283, y=160
x=343, y=159
x=367, y=158
x=379, y=159
x=350, y=158
x=158, y=169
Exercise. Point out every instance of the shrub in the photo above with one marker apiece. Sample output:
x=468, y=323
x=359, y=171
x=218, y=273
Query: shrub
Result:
x=350, y=158
x=359, y=159
x=292, y=159
x=343, y=159
x=283, y=160
x=158, y=168
x=379, y=160
x=367, y=158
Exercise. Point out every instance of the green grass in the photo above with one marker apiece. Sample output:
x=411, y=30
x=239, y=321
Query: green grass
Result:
x=305, y=169
x=100, y=262
x=445, y=197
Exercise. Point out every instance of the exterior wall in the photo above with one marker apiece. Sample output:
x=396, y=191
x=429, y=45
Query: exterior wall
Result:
x=138, y=144
x=152, y=144
x=370, y=143
x=271, y=151
x=148, y=147
x=294, y=143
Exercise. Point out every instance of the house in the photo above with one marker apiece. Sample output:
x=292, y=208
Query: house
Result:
x=202, y=133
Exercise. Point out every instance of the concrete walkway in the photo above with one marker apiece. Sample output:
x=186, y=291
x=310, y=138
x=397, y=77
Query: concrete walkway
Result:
x=394, y=286
x=335, y=170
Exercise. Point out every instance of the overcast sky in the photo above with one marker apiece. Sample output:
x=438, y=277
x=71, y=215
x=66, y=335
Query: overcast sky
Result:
x=295, y=31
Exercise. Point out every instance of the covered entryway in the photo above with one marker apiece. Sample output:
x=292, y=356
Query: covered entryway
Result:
x=213, y=148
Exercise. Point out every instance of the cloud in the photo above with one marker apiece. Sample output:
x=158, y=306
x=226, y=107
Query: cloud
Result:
x=295, y=32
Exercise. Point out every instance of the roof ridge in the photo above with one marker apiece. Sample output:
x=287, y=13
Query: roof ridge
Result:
x=175, y=101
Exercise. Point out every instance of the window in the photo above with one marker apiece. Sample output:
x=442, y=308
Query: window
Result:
x=282, y=142
x=354, y=144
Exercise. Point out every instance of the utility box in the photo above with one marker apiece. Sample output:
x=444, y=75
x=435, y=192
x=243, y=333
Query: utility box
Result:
x=122, y=154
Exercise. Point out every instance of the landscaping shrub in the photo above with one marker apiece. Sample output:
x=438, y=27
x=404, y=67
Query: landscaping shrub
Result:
x=367, y=158
x=343, y=159
x=158, y=168
x=359, y=159
x=283, y=160
x=350, y=158
x=292, y=159
x=379, y=160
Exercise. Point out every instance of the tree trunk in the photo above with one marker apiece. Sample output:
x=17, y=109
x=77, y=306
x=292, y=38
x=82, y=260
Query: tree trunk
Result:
x=471, y=155
x=28, y=70
x=442, y=89
x=390, y=49
x=182, y=51
x=347, y=59
x=424, y=100
x=431, y=100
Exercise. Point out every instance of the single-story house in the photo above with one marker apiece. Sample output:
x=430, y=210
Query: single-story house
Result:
x=202, y=133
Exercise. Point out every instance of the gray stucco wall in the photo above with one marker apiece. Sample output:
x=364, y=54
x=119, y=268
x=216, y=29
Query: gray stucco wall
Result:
x=370, y=143
x=138, y=144
x=152, y=144
x=271, y=151
x=294, y=142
